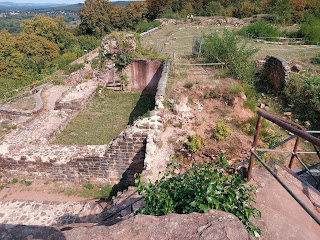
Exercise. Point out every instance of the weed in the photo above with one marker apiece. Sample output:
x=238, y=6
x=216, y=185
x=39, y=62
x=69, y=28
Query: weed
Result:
x=235, y=88
x=14, y=180
x=220, y=131
x=213, y=94
x=27, y=183
x=88, y=186
x=188, y=85
x=2, y=187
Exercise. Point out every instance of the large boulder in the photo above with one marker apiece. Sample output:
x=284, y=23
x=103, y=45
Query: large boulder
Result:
x=213, y=225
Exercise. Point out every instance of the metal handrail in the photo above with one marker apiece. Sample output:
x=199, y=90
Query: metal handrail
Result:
x=286, y=187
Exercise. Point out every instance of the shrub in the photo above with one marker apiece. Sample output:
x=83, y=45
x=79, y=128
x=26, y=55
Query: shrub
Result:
x=200, y=190
x=195, y=143
x=231, y=50
x=220, y=131
x=14, y=180
x=260, y=29
x=304, y=93
x=27, y=183
x=145, y=26
x=188, y=85
x=310, y=29
x=73, y=68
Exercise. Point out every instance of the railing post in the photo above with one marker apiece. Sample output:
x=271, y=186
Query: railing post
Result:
x=200, y=48
x=295, y=149
x=255, y=143
x=306, y=52
x=5, y=98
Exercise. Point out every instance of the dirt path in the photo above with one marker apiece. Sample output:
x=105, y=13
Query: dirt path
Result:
x=51, y=95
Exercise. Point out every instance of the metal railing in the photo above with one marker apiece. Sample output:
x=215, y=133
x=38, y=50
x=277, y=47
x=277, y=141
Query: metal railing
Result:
x=299, y=133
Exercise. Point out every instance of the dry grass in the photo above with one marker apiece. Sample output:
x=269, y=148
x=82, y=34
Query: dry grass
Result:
x=24, y=104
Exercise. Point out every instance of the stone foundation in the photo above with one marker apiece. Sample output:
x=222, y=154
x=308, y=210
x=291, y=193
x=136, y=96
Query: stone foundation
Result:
x=28, y=154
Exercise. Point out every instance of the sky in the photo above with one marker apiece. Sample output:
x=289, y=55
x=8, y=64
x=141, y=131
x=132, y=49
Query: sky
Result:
x=52, y=1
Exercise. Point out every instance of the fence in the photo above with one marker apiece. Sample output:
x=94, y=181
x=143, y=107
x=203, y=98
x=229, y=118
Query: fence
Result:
x=299, y=133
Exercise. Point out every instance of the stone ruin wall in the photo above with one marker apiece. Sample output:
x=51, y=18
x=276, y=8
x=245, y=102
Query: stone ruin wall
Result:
x=276, y=70
x=114, y=163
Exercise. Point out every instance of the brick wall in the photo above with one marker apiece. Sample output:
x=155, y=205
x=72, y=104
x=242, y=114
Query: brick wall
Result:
x=120, y=162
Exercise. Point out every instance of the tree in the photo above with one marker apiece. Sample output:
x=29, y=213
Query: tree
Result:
x=95, y=17
x=37, y=49
x=136, y=12
x=297, y=10
x=54, y=30
x=214, y=9
x=119, y=18
x=156, y=7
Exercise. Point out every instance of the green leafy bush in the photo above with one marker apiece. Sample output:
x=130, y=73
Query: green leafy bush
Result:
x=200, y=190
x=195, y=143
x=310, y=29
x=145, y=26
x=14, y=180
x=220, y=131
x=260, y=29
x=303, y=92
x=232, y=50
x=73, y=68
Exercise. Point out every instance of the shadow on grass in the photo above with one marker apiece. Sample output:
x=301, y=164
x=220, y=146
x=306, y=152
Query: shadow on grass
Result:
x=143, y=107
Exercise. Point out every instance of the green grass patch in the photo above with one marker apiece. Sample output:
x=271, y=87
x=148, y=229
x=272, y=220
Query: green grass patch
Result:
x=105, y=116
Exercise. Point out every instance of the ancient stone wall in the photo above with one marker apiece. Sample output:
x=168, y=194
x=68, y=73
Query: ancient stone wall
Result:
x=89, y=56
x=276, y=70
x=26, y=155
x=143, y=75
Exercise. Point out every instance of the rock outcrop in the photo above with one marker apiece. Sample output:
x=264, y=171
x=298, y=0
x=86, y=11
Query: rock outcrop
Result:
x=213, y=225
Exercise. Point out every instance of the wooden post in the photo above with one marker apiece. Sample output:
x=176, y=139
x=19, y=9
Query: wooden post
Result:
x=200, y=47
x=255, y=143
x=5, y=98
x=173, y=62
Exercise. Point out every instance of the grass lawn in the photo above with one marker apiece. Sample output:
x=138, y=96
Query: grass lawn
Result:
x=104, y=117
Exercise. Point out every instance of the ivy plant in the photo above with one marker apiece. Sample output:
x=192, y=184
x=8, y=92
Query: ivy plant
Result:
x=201, y=189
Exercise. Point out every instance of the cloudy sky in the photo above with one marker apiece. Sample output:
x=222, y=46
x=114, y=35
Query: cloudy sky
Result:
x=51, y=1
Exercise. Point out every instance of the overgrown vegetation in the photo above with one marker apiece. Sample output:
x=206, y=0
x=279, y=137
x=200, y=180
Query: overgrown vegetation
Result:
x=231, y=50
x=303, y=92
x=220, y=131
x=260, y=29
x=200, y=190
x=73, y=68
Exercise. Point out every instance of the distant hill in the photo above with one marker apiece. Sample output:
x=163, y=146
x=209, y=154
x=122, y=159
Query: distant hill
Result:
x=121, y=3
x=26, y=6
x=66, y=8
